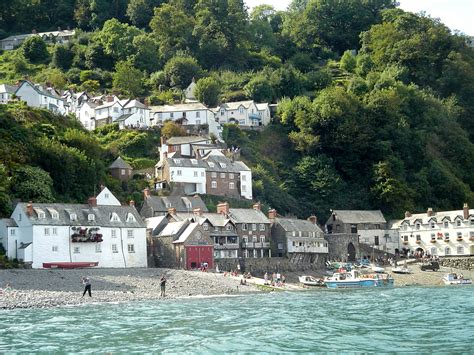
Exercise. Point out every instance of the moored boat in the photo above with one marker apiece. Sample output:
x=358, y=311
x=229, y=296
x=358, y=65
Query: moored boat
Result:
x=455, y=279
x=354, y=279
x=311, y=281
x=69, y=265
x=401, y=270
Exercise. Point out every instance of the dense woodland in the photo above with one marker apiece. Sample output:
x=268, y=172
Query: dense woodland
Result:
x=376, y=105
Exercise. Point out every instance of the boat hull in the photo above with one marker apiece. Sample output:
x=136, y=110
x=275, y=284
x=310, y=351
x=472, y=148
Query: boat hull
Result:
x=70, y=265
x=364, y=283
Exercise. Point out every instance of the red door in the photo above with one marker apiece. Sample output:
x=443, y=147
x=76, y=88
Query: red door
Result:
x=195, y=255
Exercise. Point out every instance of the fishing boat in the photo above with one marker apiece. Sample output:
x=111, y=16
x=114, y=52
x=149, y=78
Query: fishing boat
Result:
x=377, y=269
x=455, y=279
x=401, y=270
x=311, y=281
x=355, y=279
x=69, y=265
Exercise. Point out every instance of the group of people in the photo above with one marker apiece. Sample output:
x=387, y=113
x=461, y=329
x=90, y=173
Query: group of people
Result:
x=88, y=287
x=204, y=267
x=276, y=279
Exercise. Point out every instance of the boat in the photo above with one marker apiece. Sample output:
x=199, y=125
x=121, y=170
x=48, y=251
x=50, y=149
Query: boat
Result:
x=311, y=281
x=401, y=270
x=455, y=279
x=70, y=265
x=355, y=279
x=377, y=269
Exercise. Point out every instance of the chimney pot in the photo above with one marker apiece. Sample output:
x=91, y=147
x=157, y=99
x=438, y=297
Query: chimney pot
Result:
x=223, y=208
x=172, y=210
x=407, y=214
x=102, y=187
x=465, y=210
x=272, y=214
x=197, y=211
x=29, y=208
x=429, y=212
x=132, y=203
x=92, y=201
x=313, y=219
x=146, y=193
x=257, y=206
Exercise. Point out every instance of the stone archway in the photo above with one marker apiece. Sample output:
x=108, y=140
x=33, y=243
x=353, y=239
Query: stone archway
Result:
x=351, y=252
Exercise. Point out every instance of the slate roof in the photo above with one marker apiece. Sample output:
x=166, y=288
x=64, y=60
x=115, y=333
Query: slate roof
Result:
x=65, y=33
x=186, y=139
x=179, y=107
x=123, y=117
x=298, y=225
x=247, y=215
x=436, y=217
x=216, y=219
x=235, y=105
x=8, y=88
x=153, y=222
x=102, y=215
x=135, y=103
x=40, y=90
x=262, y=107
x=172, y=228
x=219, y=163
x=181, y=203
x=9, y=222
x=119, y=163
x=186, y=233
x=360, y=216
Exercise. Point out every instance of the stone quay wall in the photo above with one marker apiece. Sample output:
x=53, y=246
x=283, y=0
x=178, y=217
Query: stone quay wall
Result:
x=464, y=263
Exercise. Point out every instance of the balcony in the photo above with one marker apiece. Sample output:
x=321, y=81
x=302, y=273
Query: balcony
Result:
x=248, y=245
x=226, y=246
x=262, y=245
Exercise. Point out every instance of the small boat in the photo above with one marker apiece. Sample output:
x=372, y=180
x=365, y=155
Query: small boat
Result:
x=455, y=279
x=401, y=270
x=354, y=279
x=378, y=269
x=69, y=265
x=311, y=281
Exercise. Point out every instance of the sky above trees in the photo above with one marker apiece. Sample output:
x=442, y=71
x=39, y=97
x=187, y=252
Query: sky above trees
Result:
x=456, y=14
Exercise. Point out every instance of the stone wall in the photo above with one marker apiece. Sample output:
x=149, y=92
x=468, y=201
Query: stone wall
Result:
x=368, y=250
x=338, y=245
x=464, y=263
x=258, y=266
x=161, y=253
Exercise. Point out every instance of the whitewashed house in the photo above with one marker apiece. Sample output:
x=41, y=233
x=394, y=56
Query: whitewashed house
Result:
x=135, y=114
x=186, y=114
x=242, y=113
x=101, y=231
x=15, y=41
x=85, y=113
x=264, y=113
x=6, y=93
x=36, y=95
x=109, y=110
x=443, y=233
x=74, y=100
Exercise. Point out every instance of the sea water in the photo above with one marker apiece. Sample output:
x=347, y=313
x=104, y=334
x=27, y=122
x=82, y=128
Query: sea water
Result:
x=405, y=319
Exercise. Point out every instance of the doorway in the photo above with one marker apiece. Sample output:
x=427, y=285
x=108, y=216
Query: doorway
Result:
x=351, y=252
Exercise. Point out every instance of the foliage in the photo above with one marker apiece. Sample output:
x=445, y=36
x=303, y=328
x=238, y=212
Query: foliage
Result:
x=207, y=91
x=127, y=79
x=32, y=184
x=34, y=49
x=171, y=129
x=180, y=70
x=259, y=89
x=62, y=57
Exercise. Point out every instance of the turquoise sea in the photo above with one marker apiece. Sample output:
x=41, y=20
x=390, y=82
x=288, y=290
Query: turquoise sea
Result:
x=405, y=319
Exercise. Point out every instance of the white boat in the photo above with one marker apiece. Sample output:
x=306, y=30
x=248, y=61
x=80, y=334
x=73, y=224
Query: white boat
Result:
x=401, y=270
x=377, y=269
x=455, y=279
x=311, y=281
x=354, y=279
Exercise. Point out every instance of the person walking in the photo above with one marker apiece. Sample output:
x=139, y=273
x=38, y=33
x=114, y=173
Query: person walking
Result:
x=163, y=285
x=87, y=283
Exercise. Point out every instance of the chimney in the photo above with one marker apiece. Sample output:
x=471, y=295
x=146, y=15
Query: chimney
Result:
x=102, y=187
x=313, y=219
x=29, y=208
x=197, y=211
x=465, y=210
x=272, y=214
x=132, y=203
x=257, y=206
x=92, y=201
x=407, y=214
x=165, y=155
x=109, y=98
x=146, y=193
x=223, y=208
x=172, y=210
x=429, y=212
x=162, y=140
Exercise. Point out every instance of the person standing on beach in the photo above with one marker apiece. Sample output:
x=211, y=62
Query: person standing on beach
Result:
x=87, y=283
x=163, y=285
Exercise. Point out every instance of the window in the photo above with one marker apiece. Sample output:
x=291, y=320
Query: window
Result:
x=122, y=171
x=417, y=226
x=241, y=110
x=114, y=248
x=418, y=238
x=91, y=217
x=353, y=228
x=55, y=231
x=115, y=217
x=254, y=226
x=244, y=188
x=19, y=216
x=177, y=161
x=228, y=227
x=113, y=233
x=214, y=184
x=202, y=173
x=223, y=165
x=198, y=114
x=129, y=233
x=98, y=248
x=41, y=215
x=459, y=234
x=471, y=222
x=433, y=251
x=222, y=112
x=131, y=218
x=377, y=226
x=376, y=240
x=195, y=174
x=405, y=238
x=106, y=195
x=54, y=248
x=77, y=250
x=433, y=225
x=280, y=246
x=73, y=217
x=243, y=177
x=54, y=215
x=231, y=185
x=213, y=174
x=211, y=164
x=216, y=229
x=262, y=226
x=433, y=236
x=46, y=231
x=460, y=250
x=446, y=236
x=262, y=239
x=171, y=114
x=179, y=172
x=12, y=231
x=222, y=175
x=446, y=224
x=458, y=223
x=405, y=227
x=205, y=226
x=254, y=239
x=131, y=248
x=244, y=226
x=447, y=251
x=231, y=176
x=116, y=109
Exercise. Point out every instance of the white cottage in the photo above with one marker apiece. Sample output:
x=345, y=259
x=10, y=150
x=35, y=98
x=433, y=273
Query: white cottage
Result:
x=6, y=93
x=101, y=231
x=243, y=113
x=36, y=95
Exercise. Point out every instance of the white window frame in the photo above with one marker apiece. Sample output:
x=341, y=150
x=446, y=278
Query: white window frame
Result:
x=213, y=184
x=77, y=250
x=114, y=248
x=54, y=248
x=131, y=248
x=130, y=233
x=262, y=226
x=46, y=231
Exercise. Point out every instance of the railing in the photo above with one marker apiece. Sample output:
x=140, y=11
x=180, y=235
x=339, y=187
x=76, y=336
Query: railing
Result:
x=248, y=245
x=262, y=245
x=226, y=246
x=293, y=249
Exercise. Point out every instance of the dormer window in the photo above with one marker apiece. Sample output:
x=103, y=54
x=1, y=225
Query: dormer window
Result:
x=446, y=224
x=91, y=217
x=73, y=217
x=211, y=164
x=41, y=215
x=458, y=223
x=131, y=218
x=177, y=161
x=417, y=226
x=114, y=217
x=223, y=165
x=194, y=161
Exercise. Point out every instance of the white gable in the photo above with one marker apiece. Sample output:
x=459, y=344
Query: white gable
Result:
x=106, y=198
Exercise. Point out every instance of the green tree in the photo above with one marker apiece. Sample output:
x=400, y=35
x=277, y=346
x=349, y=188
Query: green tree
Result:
x=139, y=12
x=207, y=91
x=147, y=53
x=127, y=79
x=180, y=70
x=31, y=183
x=34, y=49
x=117, y=39
x=171, y=129
x=259, y=89
x=62, y=57
x=348, y=62
x=5, y=202
x=95, y=57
